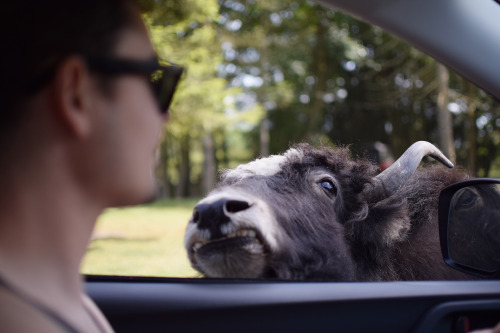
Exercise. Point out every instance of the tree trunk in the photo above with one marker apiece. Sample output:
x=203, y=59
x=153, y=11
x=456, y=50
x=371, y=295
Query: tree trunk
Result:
x=209, y=165
x=471, y=135
x=182, y=190
x=264, y=137
x=319, y=71
x=164, y=186
x=445, y=124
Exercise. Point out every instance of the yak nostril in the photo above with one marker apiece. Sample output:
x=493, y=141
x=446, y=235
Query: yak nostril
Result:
x=213, y=215
x=234, y=206
x=196, y=215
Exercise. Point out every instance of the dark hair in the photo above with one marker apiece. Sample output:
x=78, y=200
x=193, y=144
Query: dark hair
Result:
x=37, y=35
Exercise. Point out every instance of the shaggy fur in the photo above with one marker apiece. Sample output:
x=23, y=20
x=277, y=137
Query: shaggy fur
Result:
x=343, y=237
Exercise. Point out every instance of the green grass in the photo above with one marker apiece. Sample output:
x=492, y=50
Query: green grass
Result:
x=141, y=241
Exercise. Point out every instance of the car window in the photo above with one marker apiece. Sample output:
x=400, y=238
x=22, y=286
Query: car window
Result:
x=262, y=75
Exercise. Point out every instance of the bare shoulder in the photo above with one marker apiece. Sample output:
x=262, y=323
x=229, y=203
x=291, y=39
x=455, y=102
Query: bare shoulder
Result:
x=18, y=316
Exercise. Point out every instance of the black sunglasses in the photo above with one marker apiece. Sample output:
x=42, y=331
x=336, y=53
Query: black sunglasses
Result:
x=164, y=79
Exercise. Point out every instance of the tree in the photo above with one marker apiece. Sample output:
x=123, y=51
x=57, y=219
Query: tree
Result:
x=444, y=115
x=265, y=74
x=189, y=39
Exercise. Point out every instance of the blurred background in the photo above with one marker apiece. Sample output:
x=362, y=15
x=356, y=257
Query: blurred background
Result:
x=265, y=74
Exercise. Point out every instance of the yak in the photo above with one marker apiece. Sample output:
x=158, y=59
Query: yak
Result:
x=320, y=214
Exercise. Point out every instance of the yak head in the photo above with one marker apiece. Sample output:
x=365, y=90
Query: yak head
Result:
x=298, y=215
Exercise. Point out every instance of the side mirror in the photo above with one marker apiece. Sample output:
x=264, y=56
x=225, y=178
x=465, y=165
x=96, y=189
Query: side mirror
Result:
x=469, y=226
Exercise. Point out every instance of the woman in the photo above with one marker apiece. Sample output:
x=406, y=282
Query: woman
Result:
x=76, y=137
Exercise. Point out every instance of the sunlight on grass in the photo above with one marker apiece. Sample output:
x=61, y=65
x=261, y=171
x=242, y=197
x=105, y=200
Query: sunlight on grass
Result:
x=141, y=241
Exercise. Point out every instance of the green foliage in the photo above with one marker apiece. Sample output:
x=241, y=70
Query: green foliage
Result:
x=204, y=103
x=166, y=12
x=301, y=72
x=348, y=80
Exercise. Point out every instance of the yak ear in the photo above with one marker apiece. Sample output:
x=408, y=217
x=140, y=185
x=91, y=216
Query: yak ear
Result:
x=387, y=222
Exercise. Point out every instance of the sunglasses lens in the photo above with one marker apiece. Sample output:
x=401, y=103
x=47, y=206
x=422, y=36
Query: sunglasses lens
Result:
x=164, y=83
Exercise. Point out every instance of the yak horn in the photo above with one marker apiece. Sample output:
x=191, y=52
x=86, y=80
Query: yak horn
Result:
x=390, y=180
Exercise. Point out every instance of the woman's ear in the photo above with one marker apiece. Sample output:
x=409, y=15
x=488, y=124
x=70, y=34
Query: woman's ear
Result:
x=71, y=96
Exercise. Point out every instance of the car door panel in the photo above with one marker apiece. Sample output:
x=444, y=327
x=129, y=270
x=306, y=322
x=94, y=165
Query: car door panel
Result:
x=194, y=305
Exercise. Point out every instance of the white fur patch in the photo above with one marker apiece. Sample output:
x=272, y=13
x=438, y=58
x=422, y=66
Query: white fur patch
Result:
x=266, y=166
x=258, y=216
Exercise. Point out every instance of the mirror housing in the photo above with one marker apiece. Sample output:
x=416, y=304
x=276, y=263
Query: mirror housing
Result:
x=469, y=226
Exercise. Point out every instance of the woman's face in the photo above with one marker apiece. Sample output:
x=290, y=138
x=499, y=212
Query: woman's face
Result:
x=129, y=130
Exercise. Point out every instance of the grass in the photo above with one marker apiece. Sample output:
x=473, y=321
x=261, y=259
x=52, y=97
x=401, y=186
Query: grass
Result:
x=141, y=241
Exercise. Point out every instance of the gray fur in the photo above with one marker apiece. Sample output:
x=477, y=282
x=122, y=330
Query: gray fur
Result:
x=306, y=232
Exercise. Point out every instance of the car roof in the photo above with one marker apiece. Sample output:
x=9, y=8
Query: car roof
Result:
x=461, y=34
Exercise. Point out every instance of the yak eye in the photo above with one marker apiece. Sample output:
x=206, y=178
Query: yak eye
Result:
x=467, y=199
x=328, y=186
